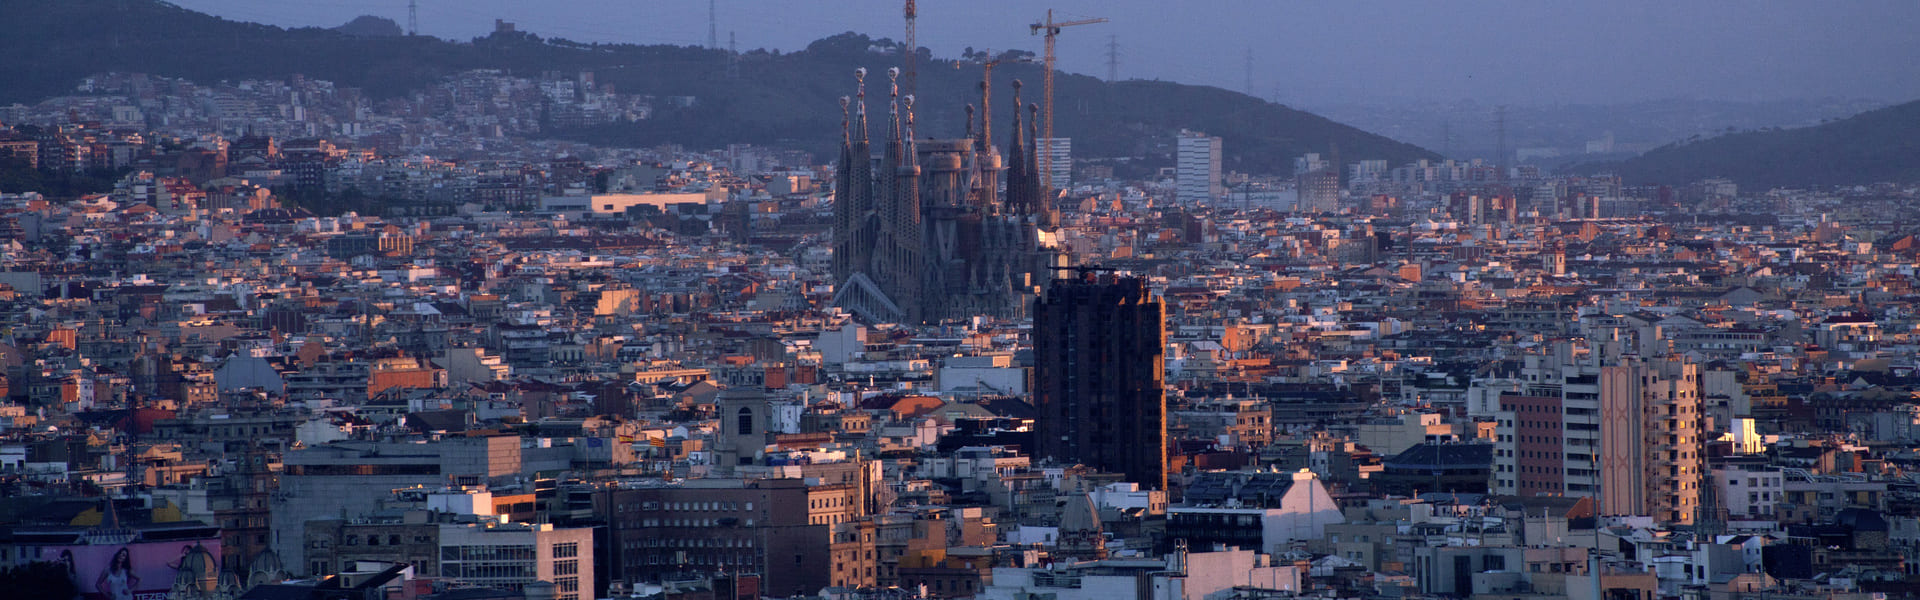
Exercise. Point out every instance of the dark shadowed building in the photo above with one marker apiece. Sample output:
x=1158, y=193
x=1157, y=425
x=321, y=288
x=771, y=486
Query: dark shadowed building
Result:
x=1098, y=361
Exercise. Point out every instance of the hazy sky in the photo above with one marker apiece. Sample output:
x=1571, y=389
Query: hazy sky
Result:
x=1304, y=53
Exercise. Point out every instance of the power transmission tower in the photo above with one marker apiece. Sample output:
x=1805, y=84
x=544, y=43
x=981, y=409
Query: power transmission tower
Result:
x=1249, y=87
x=413, y=17
x=912, y=50
x=1113, y=58
x=713, y=26
x=733, y=57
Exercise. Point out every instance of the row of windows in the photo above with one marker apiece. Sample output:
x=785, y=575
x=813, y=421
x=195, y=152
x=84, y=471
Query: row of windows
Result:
x=487, y=571
x=684, y=522
x=391, y=540
x=657, y=542
x=684, y=506
x=745, y=559
x=456, y=553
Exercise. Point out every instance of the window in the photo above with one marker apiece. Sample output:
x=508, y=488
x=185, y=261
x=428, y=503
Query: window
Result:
x=745, y=422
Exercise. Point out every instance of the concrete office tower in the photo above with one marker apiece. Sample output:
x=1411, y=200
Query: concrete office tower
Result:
x=1097, y=344
x=1595, y=421
x=1650, y=439
x=1319, y=191
x=514, y=556
x=350, y=478
x=1059, y=155
x=1196, y=175
x=792, y=536
x=923, y=234
x=1318, y=182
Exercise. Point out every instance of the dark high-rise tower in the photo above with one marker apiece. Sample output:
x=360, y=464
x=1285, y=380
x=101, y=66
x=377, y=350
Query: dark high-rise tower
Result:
x=1097, y=350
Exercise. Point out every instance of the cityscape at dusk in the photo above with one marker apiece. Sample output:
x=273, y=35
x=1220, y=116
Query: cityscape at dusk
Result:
x=892, y=300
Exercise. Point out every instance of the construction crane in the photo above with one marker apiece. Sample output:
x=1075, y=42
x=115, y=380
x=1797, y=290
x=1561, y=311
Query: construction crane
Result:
x=987, y=62
x=913, y=51
x=1052, y=28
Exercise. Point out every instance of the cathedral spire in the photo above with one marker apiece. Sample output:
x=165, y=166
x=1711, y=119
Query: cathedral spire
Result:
x=1033, y=145
x=912, y=152
x=1016, y=199
x=893, y=117
x=846, y=135
x=860, y=94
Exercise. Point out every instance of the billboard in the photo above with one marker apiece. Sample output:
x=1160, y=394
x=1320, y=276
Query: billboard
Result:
x=136, y=571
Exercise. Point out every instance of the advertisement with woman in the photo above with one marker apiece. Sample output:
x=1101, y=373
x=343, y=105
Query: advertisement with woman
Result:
x=139, y=571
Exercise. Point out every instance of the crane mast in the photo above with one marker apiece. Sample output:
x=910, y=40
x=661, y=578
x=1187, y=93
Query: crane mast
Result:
x=1052, y=29
x=913, y=51
x=987, y=62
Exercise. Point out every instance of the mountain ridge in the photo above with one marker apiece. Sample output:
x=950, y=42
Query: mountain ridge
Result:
x=1873, y=146
x=786, y=99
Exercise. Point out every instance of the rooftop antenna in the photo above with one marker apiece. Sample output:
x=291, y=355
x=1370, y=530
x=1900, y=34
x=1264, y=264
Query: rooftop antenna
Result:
x=413, y=17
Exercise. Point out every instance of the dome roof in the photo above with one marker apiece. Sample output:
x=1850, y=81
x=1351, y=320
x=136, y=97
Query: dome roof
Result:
x=199, y=569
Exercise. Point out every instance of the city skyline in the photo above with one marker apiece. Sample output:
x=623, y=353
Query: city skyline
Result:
x=297, y=315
